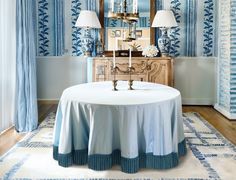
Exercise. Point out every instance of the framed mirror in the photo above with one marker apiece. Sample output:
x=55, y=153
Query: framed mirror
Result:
x=113, y=31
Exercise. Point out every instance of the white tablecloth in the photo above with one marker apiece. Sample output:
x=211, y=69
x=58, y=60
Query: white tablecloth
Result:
x=101, y=127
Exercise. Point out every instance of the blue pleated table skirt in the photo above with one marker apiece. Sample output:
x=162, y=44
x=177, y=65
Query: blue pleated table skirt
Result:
x=135, y=129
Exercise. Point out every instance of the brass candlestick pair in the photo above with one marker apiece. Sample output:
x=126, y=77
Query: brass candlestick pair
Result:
x=130, y=81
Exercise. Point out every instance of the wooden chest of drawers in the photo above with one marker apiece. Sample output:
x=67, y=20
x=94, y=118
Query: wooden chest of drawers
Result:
x=156, y=70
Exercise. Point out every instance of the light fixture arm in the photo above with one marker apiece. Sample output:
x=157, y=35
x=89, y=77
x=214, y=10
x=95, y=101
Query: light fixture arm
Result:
x=125, y=6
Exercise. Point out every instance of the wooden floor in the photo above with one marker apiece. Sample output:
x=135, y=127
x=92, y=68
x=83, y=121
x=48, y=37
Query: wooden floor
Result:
x=226, y=127
x=222, y=124
x=11, y=137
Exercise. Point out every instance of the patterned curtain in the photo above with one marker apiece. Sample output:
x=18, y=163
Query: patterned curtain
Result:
x=196, y=33
x=73, y=8
x=26, y=95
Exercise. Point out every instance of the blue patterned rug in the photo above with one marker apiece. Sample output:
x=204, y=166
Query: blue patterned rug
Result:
x=210, y=156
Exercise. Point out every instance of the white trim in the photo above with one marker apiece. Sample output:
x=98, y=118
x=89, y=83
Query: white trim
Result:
x=4, y=131
x=48, y=99
x=64, y=58
x=225, y=113
x=198, y=101
x=198, y=58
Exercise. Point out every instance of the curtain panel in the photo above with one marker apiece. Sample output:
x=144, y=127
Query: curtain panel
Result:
x=26, y=96
x=7, y=63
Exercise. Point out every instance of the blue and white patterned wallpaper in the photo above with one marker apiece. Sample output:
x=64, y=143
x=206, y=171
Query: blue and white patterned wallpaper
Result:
x=43, y=28
x=50, y=27
x=195, y=36
x=226, y=95
x=209, y=26
x=233, y=58
x=196, y=33
x=56, y=31
x=175, y=32
x=76, y=33
x=224, y=55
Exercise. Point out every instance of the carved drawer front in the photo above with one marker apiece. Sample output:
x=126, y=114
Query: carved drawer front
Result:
x=156, y=70
x=100, y=71
x=139, y=67
x=140, y=73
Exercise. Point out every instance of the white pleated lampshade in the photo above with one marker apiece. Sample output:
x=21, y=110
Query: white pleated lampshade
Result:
x=164, y=18
x=88, y=19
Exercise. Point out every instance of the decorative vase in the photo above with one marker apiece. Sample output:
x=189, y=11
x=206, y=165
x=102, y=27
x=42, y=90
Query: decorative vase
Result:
x=87, y=42
x=164, y=42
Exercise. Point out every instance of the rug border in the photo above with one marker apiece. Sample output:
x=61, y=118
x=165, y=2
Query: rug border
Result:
x=196, y=114
x=27, y=135
x=211, y=126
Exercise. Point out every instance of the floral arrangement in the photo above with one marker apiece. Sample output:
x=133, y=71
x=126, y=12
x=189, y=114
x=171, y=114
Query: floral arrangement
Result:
x=150, y=51
x=135, y=47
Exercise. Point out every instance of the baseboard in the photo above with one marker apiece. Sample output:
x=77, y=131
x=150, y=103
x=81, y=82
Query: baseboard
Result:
x=198, y=101
x=6, y=130
x=48, y=101
x=225, y=113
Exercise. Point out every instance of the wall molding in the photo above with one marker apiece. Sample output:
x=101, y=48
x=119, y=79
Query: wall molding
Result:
x=198, y=101
x=48, y=101
x=195, y=78
x=225, y=112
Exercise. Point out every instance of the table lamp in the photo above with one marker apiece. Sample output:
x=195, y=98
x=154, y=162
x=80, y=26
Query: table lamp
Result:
x=87, y=20
x=164, y=19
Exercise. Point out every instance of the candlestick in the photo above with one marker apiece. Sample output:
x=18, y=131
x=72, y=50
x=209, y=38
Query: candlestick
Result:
x=112, y=5
x=130, y=56
x=114, y=58
x=130, y=81
x=135, y=6
x=114, y=81
x=124, y=35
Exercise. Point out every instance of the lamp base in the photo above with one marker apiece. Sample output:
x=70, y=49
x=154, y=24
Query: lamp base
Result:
x=164, y=43
x=165, y=55
x=87, y=54
x=87, y=42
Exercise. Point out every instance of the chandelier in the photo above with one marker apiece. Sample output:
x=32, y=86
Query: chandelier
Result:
x=126, y=11
x=120, y=10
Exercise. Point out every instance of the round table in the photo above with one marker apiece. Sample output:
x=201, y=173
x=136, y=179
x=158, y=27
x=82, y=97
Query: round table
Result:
x=139, y=128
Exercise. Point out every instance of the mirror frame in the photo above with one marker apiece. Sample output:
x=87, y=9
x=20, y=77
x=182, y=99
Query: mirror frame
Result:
x=102, y=30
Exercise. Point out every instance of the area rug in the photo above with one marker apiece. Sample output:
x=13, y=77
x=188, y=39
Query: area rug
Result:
x=209, y=156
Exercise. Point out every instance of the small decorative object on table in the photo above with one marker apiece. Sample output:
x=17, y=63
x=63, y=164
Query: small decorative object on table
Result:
x=150, y=51
x=135, y=46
